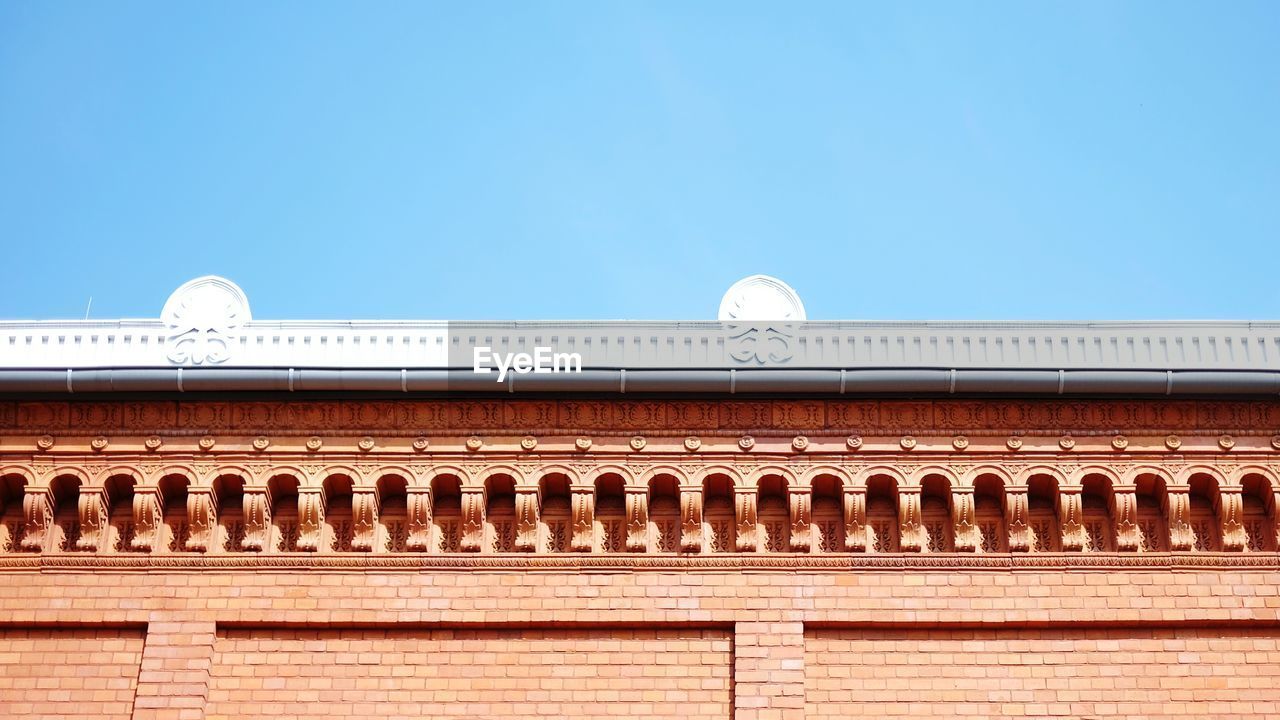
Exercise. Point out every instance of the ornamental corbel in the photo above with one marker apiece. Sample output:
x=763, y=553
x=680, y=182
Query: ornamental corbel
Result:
x=855, y=518
x=364, y=517
x=37, y=515
x=691, y=518
x=93, y=507
x=637, y=497
x=1231, y=516
x=964, y=524
x=583, y=507
x=1071, y=517
x=800, y=500
x=1017, y=518
x=418, y=502
x=910, y=527
x=1177, y=508
x=148, y=518
x=311, y=501
x=528, y=509
x=202, y=518
x=473, y=499
x=1124, y=511
x=745, y=504
x=257, y=517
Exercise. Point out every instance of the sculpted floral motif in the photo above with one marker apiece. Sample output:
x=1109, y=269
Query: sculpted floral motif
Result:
x=202, y=317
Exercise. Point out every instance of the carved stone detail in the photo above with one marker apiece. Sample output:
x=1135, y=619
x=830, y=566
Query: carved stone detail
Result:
x=582, y=508
x=910, y=528
x=801, y=502
x=691, y=518
x=418, y=500
x=964, y=524
x=93, y=507
x=310, y=518
x=1177, y=506
x=1124, y=510
x=364, y=517
x=1017, y=518
x=202, y=518
x=745, y=503
x=637, y=497
x=527, y=512
x=472, y=519
x=37, y=515
x=148, y=518
x=257, y=517
x=1071, y=517
x=1231, y=515
x=855, y=519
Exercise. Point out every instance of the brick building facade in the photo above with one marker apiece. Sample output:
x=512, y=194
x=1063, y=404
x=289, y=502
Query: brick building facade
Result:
x=233, y=550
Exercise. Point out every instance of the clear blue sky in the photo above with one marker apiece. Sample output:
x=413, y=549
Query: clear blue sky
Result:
x=473, y=160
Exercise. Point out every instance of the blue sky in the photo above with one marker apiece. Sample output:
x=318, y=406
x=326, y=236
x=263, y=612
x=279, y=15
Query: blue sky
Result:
x=525, y=160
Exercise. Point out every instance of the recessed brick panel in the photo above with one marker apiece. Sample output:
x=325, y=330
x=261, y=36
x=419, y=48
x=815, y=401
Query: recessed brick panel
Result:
x=650, y=673
x=68, y=673
x=1074, y=673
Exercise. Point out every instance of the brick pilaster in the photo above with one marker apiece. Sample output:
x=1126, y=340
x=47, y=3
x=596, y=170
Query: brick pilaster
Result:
x=768, y=671
x=173, y=682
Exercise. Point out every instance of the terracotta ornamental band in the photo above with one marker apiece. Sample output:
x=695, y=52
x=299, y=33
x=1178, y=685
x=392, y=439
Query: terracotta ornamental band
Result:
x=209, y=516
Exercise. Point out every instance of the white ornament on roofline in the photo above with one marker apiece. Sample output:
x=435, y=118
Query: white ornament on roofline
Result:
x=761, y=298
x=201, y=317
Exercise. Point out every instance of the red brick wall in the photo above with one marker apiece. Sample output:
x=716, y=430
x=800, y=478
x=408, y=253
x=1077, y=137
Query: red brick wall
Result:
x=766, y=644
x=638, y=673
x=68, y=673
x=1076, y=672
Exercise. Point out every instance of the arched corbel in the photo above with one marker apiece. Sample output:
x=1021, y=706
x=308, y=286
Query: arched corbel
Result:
x=582, y=498
x=311, y=507
x=364, y=516
x=691, y=517
x=93, y=505
x=37, y=515
x=1071, y=516
x=855, y=516
x=1231, y=516
x=528, y=510
x=473, y=502
x=746, y=517
x=637, y=498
